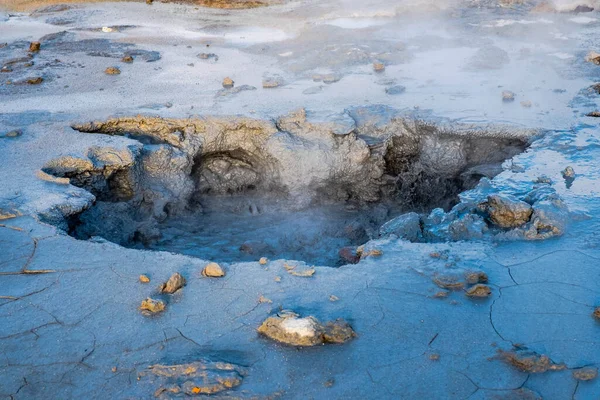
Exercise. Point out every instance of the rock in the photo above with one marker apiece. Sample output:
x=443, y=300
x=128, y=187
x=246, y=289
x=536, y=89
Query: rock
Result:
x=507, y=211
x=530, y=361
x=263, y=261
x=144, y=279
x=594, y=114
x=479, y=290
x=151, y=306
x=583, y=8
x=12, y=134
x=35, y=81
x=289, y=328
x=270, y=83
x=596, y=313
x=467, y=227
x=333, y=298
x=568, y=172
x=593, y=57
x=34, y=47
x=378, y=67
x=228, y=83
x=449, y=281
x=235, y=90
x=526, y=104
x=201, y=377
x=371, y=253
x=585, y=373
x=476, y=277
x=396, y=89
x=263, y=300
x=127, y=59
x=175, y=282
x=149, y=1
x=112, y=71
x=213, y=270
x=302, y=271
x=406, y=226
x=331, y=78
x=508, y=96
x=349, y=254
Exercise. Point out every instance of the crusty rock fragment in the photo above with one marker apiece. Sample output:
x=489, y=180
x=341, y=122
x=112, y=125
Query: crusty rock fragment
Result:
x=263, y=261
x=35, y=81
x=479, y=290
x=289, y=328
x=568, y=172
x=507, y=212
x=530, y=361
x=12, y=134
x=127, y=59
x=201, y=377
x=34, y=47
x=378, y=67
x=302, y=271
x=273, y=82
x=112, y=71
x=151, y=306
x=228, y=83
x=596, y=313
x=593, y=57
x=449, y=281
x=406, y=226
x=175, y=282
x=144, y=279
x=508, y=96
x=213, y=270
x=585, y=373
x=473, y=277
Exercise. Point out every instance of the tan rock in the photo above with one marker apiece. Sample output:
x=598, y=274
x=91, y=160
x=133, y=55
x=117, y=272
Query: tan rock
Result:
x=585, y=373
x=228, y=83
x=34, y=47
x=213, y=270
x=263, y=299
x=263, y=261
x=378, y=67
x=112, y=71
x=593, y=57
x=127, y=59
x=479, y=290
x=144, y=279
x=151, y=306
x=507, y=212
x=175, y=282
x=289, y=328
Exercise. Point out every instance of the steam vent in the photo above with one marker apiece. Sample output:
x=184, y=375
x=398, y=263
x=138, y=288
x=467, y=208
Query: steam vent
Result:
x=284, y=199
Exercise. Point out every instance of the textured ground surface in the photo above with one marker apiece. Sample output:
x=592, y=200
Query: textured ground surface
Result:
x=70, y=325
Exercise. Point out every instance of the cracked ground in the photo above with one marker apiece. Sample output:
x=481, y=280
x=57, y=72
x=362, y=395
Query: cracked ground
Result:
x=70, y=324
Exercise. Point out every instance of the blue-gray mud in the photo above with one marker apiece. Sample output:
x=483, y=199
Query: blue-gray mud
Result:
x=493, y=295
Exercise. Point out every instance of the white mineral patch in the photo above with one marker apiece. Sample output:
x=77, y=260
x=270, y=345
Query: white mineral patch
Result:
x=299, y=326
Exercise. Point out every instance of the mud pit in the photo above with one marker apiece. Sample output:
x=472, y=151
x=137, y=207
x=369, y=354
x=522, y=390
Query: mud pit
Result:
x=230, y=190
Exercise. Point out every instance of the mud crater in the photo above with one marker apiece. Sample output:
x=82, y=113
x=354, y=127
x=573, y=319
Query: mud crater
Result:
x=233, y=189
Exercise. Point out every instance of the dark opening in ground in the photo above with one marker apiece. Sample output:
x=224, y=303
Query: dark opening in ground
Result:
x=244, y=189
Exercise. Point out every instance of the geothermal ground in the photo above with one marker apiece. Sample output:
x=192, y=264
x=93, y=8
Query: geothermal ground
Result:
x=307, y=200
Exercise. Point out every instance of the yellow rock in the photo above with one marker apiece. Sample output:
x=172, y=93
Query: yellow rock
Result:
x=213, y=270
x=144, y=279
x=263, y=261
x=151, y=306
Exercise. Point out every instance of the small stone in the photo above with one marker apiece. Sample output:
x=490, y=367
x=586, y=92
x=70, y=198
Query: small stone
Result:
x=441, y=294
x=127, y=59
x=263, y=299
x=114, y=369
x=378, y=67
x=213, y=270
x=479, y=290
x=112, y=71
x=12, y=134
x=302, y=272
x=35, y=81
x=333, y=298
x=149, y=1
x=270, y=83
x=6, y=68
x=144, y=279
x=594, y=114
x=175, y=282
x=526, y=104
x=107, y=29
x=450, y=282
x=228, y=83
x=208, y=56
x=596, y=313
x=585, y=373
x=507, y=212
x=331, y=78
x=277, y=279
x=151, y=306
x=529, y=361
x=263, y=261
x=593, y=57
x=34, y=47
x=329, y=383
x=508, y=96
x=568, y=172
x=434, y=357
